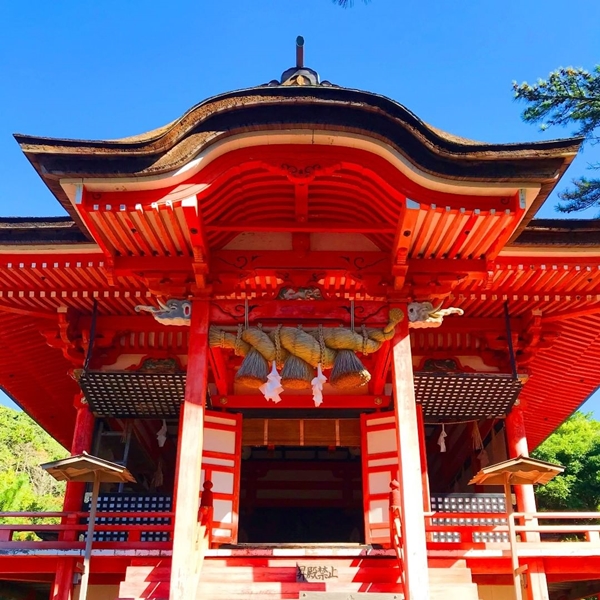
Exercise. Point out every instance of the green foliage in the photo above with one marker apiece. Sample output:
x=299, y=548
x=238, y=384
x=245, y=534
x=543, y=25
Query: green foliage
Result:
x=576, y=446
x=24, y=486
x=568, y=97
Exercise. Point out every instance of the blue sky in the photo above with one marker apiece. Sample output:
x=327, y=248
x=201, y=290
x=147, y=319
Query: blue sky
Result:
x=111, y=69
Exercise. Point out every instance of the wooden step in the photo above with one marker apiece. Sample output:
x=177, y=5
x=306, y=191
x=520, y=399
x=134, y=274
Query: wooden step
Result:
x=462, y=591
x=270, y=577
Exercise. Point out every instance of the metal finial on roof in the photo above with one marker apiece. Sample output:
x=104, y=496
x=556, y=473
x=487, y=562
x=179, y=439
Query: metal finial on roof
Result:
x=300, y=75
x=299, y=52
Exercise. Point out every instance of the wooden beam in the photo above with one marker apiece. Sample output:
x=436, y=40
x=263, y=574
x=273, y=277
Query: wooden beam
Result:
x=231, y=312
x=411, y=483
x=312, y=226
x=195, y=224
x=294, y=401
x=126, y=265
x=189, y=456
x=236, y=261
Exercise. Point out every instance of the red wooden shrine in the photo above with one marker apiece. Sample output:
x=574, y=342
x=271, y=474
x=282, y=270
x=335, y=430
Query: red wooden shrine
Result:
x=250, y=236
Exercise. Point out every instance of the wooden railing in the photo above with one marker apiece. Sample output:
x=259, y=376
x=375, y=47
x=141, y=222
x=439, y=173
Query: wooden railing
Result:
x=586, y=533
x=65, y=534
x=574, y=528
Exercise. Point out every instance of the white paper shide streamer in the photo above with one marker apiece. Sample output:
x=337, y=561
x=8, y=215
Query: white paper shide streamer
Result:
x=317, y=386
x=161, y=434
x=442, y=439
x=272, y=388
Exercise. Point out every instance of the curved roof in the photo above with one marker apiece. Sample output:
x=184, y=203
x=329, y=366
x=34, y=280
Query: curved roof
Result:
x=290, y=106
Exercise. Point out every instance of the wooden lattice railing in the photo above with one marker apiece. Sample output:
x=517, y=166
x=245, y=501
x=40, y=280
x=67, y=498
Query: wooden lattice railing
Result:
x=63, y=530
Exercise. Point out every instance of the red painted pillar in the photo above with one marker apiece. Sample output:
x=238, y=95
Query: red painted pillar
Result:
x=410, y=473
x=189, y=458
x=423, y=455
x=516, y=440
x=82, y=440
x=62, y=588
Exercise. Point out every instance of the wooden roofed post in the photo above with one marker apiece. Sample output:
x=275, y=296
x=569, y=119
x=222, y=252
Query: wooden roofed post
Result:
x=410, y=474
x=189, y=457
x=516, y=440
x=62, y=588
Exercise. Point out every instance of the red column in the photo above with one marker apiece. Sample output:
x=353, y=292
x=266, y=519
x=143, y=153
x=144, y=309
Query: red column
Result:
x=189, y=458
x=411, y=481
x=516, y=440
x=423, y=455
x=62, y=588
x=82, y=440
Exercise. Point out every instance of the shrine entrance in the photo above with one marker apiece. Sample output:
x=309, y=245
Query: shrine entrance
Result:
x=303, y=483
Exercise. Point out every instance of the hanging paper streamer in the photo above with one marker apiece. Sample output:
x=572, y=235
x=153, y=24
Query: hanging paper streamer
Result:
x=272, y=388
x=442, y=439
x=476, y=434
x=317, y=386
x=161, y=434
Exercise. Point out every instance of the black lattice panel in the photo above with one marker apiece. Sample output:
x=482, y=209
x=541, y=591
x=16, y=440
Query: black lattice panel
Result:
x=132, y=503
x=466, y=395
x=487, y=504
x=130, y=395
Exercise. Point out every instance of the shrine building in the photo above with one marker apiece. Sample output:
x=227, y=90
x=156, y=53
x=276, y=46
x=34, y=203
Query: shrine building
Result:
x=309, y=325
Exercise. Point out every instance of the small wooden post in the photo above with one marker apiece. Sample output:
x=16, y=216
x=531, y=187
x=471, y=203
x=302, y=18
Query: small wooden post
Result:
x=512, y=537
x=85, y=577
x=82, y=441
x=410, y=479
x=189, y=457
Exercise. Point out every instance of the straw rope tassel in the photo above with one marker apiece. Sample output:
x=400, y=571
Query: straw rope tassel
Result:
x=297, y=373
x=254, y=369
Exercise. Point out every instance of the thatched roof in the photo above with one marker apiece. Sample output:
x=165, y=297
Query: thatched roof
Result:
x=300, y=107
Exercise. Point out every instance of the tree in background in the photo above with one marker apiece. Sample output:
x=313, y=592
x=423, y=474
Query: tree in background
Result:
x=24, y=486
x=576, y=446
x=568, y=97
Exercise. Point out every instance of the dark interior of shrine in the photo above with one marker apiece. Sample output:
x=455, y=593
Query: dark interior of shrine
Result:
x=296, y=494
x=301, y=495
